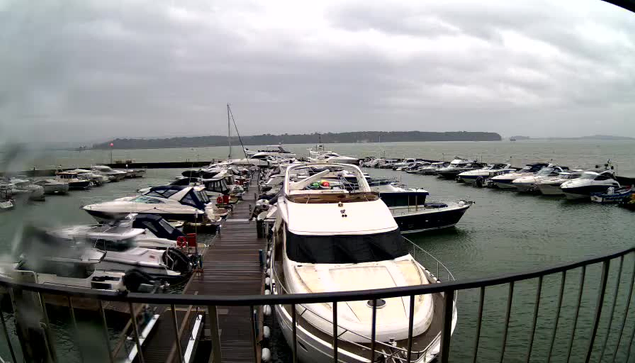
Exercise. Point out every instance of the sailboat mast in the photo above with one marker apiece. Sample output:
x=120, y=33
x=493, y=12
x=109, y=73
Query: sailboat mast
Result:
x=229, y=133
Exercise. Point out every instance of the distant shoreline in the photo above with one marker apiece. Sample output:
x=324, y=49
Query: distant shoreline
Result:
x=309, y=139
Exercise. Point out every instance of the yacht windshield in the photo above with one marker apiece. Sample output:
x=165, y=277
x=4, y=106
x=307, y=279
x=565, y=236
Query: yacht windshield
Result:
x=346, y=248
x=147, y=200
x=588, y=176
x=544, y=172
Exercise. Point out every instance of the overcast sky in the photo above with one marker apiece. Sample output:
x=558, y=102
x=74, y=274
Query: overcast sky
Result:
x=88, y=70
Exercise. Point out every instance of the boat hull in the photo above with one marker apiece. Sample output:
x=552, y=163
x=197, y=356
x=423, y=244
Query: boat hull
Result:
x=504, y=184
x=426, y=219
x=584, y=192
x=102, y=216
x=550, y=189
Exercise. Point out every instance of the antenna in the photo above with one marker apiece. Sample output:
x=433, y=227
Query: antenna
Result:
x=237, y=133
x=229, y=134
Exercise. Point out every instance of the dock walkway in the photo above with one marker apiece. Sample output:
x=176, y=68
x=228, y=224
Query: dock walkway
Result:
x=231, y=266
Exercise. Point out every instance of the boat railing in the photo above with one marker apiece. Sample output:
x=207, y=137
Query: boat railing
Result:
x=577, y=311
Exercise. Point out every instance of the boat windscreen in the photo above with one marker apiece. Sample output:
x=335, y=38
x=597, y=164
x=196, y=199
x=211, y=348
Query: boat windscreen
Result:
x=346, y=248
x=193, y=199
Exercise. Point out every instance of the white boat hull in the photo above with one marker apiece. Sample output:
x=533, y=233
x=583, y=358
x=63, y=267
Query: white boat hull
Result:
x=547, y=189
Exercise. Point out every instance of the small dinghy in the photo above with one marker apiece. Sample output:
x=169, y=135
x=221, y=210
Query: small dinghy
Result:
x=612, y=195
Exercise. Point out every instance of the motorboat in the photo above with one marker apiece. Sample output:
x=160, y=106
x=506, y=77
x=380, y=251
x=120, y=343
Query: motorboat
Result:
x=47, y=260
x=24, y=188
x=144, y=230
x=172, y=202
x=124, y=252
x=551, y=185
x=96, y=178
x=413, y=215
x=414, y=168
x=329, y=239
x=433, y=168
x=52, y=186
x=506, y=181
x=456, y=167
x=588, y=183
x=479, y=176
x=330, y=157
x=528, y=183
x=73, y=180
x=6, y=202
x=613, y=196
x=271, y=150
x=112, y=174
x=398, y=166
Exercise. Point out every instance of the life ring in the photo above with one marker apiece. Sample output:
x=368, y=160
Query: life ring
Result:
x=219, y=200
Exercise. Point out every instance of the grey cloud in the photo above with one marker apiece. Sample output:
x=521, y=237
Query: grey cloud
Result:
x=85, y=70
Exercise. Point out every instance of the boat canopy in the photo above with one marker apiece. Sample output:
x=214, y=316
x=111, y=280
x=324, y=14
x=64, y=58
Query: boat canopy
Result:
x=159, y=226
x=345, y=248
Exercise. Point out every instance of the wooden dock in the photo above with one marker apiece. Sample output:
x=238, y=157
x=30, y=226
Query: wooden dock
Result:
x=231, y=266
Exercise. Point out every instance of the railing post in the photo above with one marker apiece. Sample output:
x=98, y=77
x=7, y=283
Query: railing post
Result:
x=254, y=337
x=626, y=309
x=479, y=321
x=577, y=312
x=216, y=356
x=446, y=333
x=106, y=335
x=294, y=326
x=510, y=297
x=557, y=319
x=7, y=337
x=72, y=310
x=373, y=331
x=535, y=321
x=135, y=329
x=411, y=318
x=615, y=296
x=598, y=307
x=335, y=331
x=177, y=337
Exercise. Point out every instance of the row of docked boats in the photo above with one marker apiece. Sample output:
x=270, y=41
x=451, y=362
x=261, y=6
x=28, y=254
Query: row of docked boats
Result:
x=332, y=230
x=18, y=188
x=138, y=243
x=599, y=184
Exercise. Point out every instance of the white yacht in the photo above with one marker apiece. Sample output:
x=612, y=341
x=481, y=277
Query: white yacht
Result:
x=172, y=202
x=329, y=239
x=551, y=185
x=271, y=150
x=112, y=174
x=330, y=157
x=588, y=183
x=72, y=179
x=456, y=167
x=479, y=176
x=143, y=230
x=506, y=181
x=411, y=212
x=433, y=168
x=124, y=253
x=528, y=183
x=24, y=188
x=52, y=186
x=95, y=177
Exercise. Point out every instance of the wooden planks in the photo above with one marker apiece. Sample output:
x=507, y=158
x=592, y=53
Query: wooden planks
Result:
x=231, y=266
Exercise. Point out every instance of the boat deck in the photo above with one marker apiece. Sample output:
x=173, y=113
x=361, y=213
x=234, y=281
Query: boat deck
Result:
x=231, y=266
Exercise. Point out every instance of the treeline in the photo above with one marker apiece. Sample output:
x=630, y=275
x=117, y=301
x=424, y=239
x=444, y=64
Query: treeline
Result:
x=269, y=139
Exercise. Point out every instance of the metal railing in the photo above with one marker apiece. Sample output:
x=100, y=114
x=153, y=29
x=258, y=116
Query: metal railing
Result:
x=607, y=332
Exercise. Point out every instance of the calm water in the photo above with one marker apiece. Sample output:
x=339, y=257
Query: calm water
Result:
x=503, y=232
x=566, y=152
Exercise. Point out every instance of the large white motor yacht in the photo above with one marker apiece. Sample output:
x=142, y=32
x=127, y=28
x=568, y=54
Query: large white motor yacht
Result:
x=330, y=157
x=506, y=181
x=329, y=239
x=551, y=185
x=112, y=174
x=527, y=184
x=590, y=182
x=478, y=176
x=172, y=202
